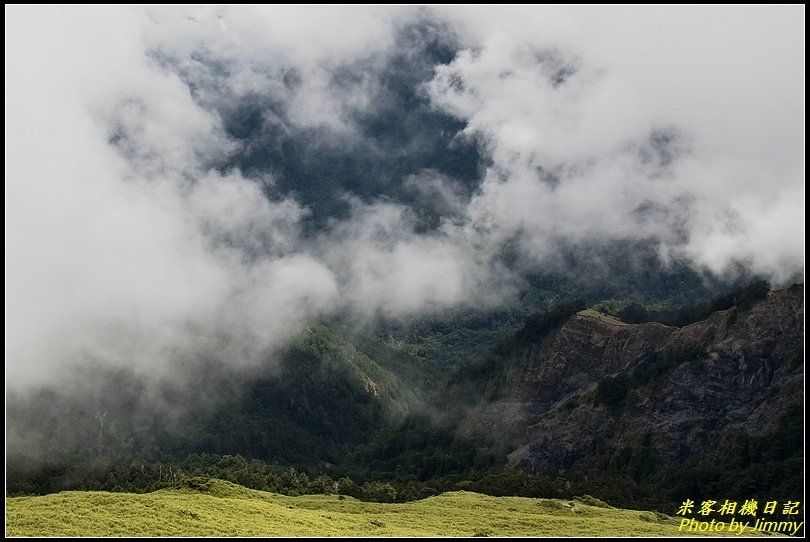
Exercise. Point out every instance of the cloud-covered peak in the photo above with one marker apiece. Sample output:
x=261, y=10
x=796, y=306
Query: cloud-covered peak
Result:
x=197, y=179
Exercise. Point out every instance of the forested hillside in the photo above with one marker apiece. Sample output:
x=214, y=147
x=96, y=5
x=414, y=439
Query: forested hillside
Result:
x=560, y=406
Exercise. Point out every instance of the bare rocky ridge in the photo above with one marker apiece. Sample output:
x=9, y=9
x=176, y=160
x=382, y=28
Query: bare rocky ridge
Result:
x=598, y=388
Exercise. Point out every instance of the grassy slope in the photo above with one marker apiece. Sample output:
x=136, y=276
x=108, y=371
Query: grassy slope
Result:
x=227, y=509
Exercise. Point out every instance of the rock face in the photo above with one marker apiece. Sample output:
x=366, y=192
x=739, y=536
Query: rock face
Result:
x=597, y=387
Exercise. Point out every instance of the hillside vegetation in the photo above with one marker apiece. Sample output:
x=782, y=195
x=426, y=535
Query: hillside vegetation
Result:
x=219, y=508
x=571, y=402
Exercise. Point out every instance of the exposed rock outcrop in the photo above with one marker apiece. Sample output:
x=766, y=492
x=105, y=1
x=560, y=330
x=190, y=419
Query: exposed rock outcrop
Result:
x=597, y=386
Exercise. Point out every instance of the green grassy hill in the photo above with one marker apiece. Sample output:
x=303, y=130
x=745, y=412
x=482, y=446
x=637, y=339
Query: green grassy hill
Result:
x=218, y=508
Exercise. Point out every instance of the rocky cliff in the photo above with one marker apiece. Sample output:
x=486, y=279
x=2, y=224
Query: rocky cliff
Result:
x=597, y=391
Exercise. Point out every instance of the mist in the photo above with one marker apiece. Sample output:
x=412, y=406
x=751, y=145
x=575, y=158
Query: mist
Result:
x=199, y=182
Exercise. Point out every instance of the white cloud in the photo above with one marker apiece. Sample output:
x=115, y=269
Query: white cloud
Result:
x=135, y=251
x=730, y=81
x=132, y=258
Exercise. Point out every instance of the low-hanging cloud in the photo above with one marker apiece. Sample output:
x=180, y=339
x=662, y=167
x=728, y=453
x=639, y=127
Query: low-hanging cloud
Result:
x=201, y=181
x=595, y=117
x=132, y=252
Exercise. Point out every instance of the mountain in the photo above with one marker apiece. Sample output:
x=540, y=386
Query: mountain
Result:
x=573, y=401
x=309, y=404
x=599, y=389
x=322, y=400
x=665, y=411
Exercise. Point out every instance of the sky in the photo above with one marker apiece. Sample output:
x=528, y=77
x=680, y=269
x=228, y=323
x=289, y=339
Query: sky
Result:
x=202, y=181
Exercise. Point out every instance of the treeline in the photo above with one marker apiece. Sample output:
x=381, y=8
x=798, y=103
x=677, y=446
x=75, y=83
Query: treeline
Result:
x=767, y=467
x=139, y=476
x=538, y=326
x=143, y=477
x=484, y=375
x=742, y=298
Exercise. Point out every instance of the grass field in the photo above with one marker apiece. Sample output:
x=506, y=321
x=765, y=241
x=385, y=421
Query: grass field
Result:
x=219, y=508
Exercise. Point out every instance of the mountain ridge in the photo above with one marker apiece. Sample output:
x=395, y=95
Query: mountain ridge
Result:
x=598, y=398
x=632, y=413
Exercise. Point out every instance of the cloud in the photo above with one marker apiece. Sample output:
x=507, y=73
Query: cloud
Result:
x=132, y=252
x=200, y=181
x=386, y=267
x=592, y=118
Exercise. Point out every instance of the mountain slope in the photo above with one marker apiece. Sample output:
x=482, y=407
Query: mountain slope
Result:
x=322, y=400
x=638, y=413
x=310, y=404
x=573, y=402
x=597, y=384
